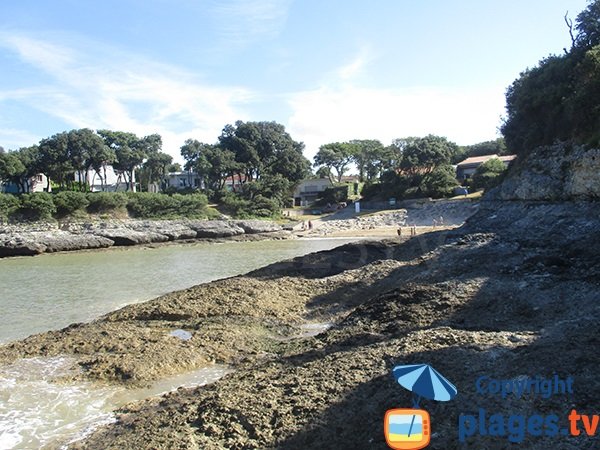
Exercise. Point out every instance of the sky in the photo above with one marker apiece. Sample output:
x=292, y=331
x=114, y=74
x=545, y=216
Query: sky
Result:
x=328, y=70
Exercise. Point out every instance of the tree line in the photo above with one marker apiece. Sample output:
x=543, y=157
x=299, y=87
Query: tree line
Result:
x=559, y=99
x=409, y=167
x=69, y=157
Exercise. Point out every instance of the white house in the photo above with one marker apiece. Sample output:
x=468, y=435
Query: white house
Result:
x=309, y=190
x=183, y=180
x=110, y=181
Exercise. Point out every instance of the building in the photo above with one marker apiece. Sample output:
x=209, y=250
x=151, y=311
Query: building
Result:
x=110, y=181
x=465, y=169
x=37, y=183
x=183, y=180
x=308, y=191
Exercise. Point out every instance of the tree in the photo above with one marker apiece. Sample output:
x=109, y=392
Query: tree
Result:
x=371, y=158
x=559, y=99
x=12, y=169
x=129, y=152
x=440, y=182
x=588, y=26
x=54, y=158
x=100, y=157
x=488, y=174
x=337, y=156
x=423, y=155
x=264, y=149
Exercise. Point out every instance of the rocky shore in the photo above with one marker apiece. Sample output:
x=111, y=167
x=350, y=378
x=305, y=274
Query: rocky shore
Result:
x=34, y=239
x=512, y=294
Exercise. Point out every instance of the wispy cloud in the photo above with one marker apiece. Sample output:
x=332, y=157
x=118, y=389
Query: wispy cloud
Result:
x=241, y=22
x=112, y=89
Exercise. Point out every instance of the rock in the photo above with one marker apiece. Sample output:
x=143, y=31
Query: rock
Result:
x=215, y=228
x=553, y=173
x=11, y=245
x=173, y=229
x=258, y=226
x=125, y=236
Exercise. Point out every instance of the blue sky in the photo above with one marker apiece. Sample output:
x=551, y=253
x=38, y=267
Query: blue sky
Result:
x=329, y=70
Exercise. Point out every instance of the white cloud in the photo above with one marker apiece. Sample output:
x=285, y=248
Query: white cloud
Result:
x=119, y=91
x=239, y=22
x=344, y=112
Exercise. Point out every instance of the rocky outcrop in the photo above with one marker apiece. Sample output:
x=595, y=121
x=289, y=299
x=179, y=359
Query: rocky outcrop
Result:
x=215, y=228
x=554, y=173
x=33, y=239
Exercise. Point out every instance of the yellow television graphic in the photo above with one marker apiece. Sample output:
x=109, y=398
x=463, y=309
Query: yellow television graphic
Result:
x=407, y=429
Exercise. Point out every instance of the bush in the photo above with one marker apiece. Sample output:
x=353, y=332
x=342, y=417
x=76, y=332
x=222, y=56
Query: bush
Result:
x=488, y=175
x=67, y=202
x=101, y=202
x=8, y=205
x=192, y=205
x=37, y=206
x=148, y=205
x=440, y=182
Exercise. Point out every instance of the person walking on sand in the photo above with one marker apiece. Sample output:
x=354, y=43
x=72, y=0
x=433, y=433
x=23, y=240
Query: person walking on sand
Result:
x=309, y=225
x=399, y=231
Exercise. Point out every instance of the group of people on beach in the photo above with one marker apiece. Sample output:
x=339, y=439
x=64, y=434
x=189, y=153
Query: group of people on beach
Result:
x=413, y=228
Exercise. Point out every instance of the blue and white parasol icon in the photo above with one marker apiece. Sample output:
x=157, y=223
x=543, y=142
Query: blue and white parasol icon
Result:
x=424, y=381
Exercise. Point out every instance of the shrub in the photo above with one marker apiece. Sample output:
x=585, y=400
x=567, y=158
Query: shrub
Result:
x=440, y=182
x=8, y=205
x=37, y=206
x=102, y=202
x=67, y=202
x=149, y=205
x=192, y=205
x=488, y=175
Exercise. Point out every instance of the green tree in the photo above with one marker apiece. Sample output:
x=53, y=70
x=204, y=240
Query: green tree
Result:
x=559, y=99
x=12, y=169
x=423, y=155
x=128, y=151
x=440, y=182
x=337, y=156
x=54, y=158
x=488, y=175
x=371, y=158
x=264, y=149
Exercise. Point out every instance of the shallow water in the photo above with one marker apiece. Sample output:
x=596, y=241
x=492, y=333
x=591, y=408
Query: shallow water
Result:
x=51, y=291
x=54, y=290
x=36, y=412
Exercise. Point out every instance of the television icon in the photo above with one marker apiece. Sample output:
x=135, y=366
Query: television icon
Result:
x=407, y=429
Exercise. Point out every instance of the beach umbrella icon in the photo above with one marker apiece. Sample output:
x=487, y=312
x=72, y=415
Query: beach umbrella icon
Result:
x=424, y=382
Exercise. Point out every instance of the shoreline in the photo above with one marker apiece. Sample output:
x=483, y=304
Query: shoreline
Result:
x=439, y=298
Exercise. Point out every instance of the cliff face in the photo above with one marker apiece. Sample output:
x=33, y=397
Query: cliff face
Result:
x=562, y=172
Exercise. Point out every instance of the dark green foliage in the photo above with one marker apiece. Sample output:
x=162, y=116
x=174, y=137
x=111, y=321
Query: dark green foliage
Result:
x=559, y=100
x=8, y=205
x=337, y=156
x=103, y=202
x=146, y=205
x=336, y=194
x=440, y=182
x=423, y=155
x=37, y=206
x=242, y=208
x=67, y=202
x=488, y=175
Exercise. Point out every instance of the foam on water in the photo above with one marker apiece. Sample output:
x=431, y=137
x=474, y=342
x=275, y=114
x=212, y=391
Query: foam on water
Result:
x=37, y=411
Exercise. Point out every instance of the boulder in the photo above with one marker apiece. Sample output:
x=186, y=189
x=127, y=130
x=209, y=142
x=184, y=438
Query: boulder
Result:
x=258, y=226
x=215, y=228
x=126, y=236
